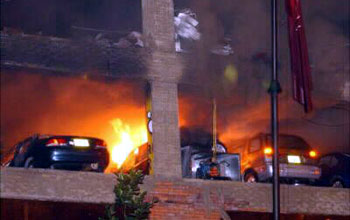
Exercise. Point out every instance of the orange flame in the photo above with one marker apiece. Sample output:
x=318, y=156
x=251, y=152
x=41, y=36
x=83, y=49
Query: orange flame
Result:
x=127, y=140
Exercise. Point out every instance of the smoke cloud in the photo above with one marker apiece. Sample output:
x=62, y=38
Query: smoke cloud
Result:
x=244, y=104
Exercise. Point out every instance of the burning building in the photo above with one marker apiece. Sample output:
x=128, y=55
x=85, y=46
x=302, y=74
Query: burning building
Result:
x=83, y=68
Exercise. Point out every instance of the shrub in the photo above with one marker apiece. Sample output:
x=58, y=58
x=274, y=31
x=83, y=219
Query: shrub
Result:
x=129, y=200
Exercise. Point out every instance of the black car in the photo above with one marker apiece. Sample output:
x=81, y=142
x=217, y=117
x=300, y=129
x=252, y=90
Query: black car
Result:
x=61, y=152
x=335, y=170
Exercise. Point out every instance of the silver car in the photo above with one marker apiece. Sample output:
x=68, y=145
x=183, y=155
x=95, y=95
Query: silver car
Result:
x=298, y=161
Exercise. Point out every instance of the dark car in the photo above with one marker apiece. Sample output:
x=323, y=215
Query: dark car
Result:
x=335, y=170
x=61, y=152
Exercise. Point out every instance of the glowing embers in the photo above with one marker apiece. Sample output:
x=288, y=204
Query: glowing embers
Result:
x=127, y=140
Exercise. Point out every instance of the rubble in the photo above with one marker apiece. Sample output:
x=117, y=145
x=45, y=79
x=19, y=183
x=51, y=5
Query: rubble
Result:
x=223, y=50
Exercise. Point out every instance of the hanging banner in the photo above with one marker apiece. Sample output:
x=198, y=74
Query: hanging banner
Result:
x=300, y=67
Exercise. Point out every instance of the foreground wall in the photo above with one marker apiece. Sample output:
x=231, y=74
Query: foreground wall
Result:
x=178, y=198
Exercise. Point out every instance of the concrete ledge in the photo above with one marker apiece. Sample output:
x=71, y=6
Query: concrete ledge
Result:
x=87, y=187
x=56, y=185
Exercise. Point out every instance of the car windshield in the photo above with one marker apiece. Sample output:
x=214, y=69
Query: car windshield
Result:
x=290, y=142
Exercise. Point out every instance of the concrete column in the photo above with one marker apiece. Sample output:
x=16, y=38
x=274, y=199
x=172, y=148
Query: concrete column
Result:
x=164, y=70
x=166, y=138
x=158, y=24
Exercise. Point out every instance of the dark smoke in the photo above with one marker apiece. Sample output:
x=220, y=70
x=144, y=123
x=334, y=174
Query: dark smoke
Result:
x=243, y=105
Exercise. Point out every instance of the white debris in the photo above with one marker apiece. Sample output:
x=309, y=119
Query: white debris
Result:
x=222, y=50
x=136, y=38
x=133, y=38
x=98, y=36
x=185, y=28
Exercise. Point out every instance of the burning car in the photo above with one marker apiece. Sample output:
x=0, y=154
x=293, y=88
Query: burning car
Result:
x=196, y=157
x=297, y=160
x=60, y=152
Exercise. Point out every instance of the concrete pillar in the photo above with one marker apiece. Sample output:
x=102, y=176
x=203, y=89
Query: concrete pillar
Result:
x=164, y=70
x=158, y=24
x=166, y=140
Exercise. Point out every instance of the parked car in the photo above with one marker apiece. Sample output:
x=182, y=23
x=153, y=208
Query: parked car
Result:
x=297, y=160
x=61, y=152
x=335, y=170
x=196, y=154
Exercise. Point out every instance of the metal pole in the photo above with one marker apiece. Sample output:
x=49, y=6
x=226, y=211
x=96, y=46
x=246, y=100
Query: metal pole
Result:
x=274, y=90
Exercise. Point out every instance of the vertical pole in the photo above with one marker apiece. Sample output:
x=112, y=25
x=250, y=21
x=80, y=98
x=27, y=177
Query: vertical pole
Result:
x=274, y=90
x=214, y=147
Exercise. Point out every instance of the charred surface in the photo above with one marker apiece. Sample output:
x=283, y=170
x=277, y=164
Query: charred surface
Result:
x=101, y=57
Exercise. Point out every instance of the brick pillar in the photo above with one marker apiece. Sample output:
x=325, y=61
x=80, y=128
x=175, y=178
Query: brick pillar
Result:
x=158, y=24
x=166, y=141
x=164, y=70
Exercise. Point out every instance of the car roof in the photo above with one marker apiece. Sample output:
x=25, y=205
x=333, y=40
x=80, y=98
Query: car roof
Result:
x=46, y=136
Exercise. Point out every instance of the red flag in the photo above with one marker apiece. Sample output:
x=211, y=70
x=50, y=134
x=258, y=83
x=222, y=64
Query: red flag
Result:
x=300, y=67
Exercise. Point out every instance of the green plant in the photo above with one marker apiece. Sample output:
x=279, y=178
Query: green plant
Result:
x=129, y=200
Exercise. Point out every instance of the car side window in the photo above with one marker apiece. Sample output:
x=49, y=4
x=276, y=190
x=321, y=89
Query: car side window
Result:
x=333, y=162
x=325, y=160
x=254, y=145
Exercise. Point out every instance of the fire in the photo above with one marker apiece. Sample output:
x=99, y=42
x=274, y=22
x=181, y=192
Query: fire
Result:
x=127, y=140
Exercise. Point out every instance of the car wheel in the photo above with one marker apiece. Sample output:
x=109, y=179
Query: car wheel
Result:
x=337, y=184
x=29, y=162
x=250, y=178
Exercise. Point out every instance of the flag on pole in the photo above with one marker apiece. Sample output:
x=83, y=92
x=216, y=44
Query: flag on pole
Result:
x=300, y=67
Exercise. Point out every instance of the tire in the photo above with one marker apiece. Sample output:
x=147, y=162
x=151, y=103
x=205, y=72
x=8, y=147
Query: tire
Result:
x=29, y=163
x=250, y=177
x=337, y=184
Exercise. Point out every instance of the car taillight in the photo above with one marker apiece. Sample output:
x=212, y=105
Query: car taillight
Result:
x=214, y=171
x=100, y=144
x=313, y=154
x=54, y=142
x=268, y=151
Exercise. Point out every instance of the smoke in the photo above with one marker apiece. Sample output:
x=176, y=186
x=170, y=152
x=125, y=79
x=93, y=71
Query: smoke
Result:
x=48, y=104
x=244, y=104
x=37, y=103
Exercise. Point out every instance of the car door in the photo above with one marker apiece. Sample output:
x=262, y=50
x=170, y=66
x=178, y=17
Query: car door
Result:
x=326, y=169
